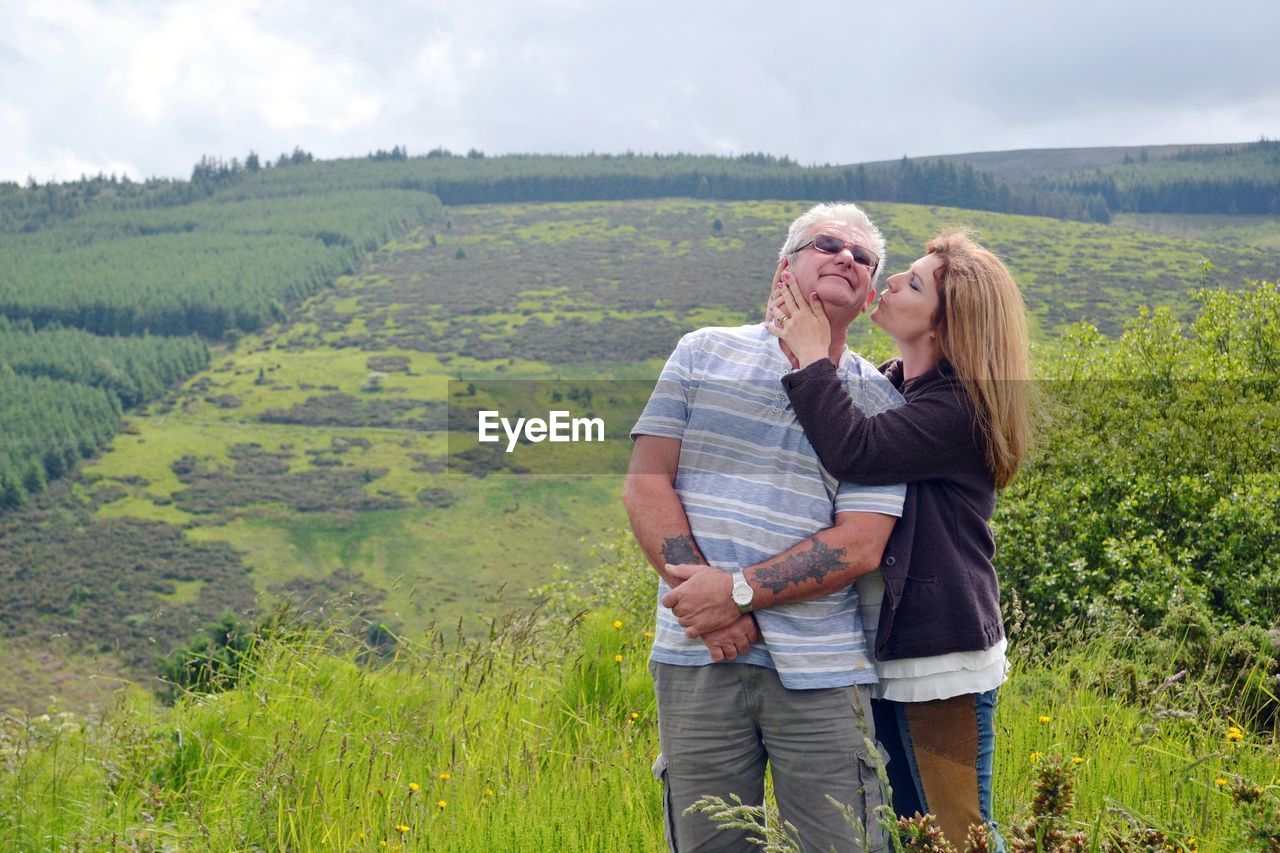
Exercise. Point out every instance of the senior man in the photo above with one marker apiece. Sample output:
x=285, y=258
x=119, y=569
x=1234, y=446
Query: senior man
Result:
x=722, y=475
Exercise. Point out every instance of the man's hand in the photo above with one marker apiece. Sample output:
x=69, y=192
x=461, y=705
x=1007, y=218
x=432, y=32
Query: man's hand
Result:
x=703, y=599
x=727, y=643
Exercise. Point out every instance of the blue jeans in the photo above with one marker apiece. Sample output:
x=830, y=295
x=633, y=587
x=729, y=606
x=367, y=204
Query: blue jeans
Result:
x=945, y=747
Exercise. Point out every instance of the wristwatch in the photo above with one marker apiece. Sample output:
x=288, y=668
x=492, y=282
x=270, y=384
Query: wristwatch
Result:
x=743, y=594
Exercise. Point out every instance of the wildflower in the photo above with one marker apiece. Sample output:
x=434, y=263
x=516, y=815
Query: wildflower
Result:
x=635, y=715
x=413, y=787
x=1075, y=759
x=1044, y=718
x=617, y=658
x=402, y=828
x=617, y=624
x=1235, y=734
x=488, y=792
x=1220, y=781
x=1035, y=756
x=1244, y=792
x=442, y=803
x=446, y=776
x=648, y=635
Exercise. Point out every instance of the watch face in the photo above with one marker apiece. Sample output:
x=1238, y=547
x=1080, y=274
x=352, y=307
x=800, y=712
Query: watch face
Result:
x=742, y=594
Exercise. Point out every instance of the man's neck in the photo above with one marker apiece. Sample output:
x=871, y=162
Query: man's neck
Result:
x=839, y=343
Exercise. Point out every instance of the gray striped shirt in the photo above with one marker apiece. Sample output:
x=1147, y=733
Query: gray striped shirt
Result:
x=752, y=487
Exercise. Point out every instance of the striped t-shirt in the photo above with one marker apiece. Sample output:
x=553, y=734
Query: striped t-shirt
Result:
x=752, y=487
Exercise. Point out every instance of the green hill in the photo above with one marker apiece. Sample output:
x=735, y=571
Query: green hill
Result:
x=1025, y=163
x=308, y=461
x=311, y=455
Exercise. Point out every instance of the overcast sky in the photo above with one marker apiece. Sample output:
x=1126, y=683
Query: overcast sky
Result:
x=147, y=88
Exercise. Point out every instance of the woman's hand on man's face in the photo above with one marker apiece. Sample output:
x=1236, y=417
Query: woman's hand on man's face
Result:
x=801, y=322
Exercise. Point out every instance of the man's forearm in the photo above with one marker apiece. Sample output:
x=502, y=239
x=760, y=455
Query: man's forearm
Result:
x=659, y=523
x=658, y=519
x=827, y=561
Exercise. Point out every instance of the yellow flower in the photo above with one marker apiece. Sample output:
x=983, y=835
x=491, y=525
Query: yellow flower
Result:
x=446, y=776
x=1235, y=734
x=488, y=792
x=442, y=803
x=648, y=635
x=413, y=787
x=1220, y=781
x=617, y=658
x=1044, y=718
x=1035, y=756
x=1075, y=759
x=401, y=828
x=617, y=624
x=635, y=715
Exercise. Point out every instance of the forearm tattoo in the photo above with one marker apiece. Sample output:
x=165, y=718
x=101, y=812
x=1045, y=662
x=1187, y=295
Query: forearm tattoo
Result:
x=681, y=549
x=814, y=564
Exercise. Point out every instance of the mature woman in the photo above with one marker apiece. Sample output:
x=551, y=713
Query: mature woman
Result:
x=932, y=613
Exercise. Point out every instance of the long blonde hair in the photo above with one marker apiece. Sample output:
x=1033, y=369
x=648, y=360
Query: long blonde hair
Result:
x=981, y=324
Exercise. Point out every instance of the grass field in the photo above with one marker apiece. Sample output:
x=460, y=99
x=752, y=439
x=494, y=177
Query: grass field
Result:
x=540, y=735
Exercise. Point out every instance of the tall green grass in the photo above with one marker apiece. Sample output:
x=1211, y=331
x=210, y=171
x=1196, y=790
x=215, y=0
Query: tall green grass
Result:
x=540, y=737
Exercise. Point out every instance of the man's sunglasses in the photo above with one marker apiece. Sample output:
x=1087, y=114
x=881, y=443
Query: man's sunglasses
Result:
x=829, y=245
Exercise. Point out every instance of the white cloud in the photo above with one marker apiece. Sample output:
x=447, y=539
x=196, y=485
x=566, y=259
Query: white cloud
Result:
x=184, y=79
x=103, y=82
x=217, y=60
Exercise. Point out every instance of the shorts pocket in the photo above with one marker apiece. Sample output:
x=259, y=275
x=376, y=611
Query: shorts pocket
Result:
x=668, y=816
x=880, y=817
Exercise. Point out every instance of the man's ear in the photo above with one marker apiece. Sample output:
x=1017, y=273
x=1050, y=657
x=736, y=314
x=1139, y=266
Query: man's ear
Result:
x=871, y=297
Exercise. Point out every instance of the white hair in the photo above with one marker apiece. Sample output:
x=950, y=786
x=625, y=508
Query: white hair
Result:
x=844, y=212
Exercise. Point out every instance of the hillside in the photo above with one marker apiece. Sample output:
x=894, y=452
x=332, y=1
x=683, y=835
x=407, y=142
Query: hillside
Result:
x=308, y=463
x=315, y=313
x=1026, y=163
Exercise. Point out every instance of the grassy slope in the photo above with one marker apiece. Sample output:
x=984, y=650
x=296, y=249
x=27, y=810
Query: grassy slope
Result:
x=653, y=269
x=1262, y=232
x=540, y=738
x=567, y=290
x=1025, y=163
